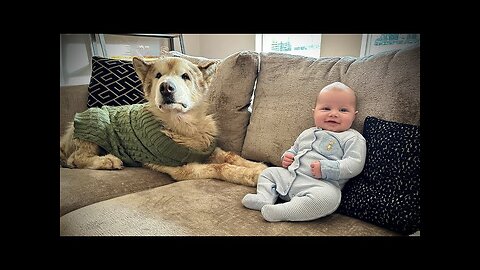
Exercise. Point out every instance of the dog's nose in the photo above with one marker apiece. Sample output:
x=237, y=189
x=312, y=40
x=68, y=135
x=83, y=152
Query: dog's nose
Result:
x=166, y=88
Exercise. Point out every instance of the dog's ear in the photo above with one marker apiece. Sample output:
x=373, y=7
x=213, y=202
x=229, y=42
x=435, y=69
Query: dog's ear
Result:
x=141, y=68
x=208, y=69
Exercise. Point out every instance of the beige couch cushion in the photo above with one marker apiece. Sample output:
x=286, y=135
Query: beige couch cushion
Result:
x=198, y=208
x=81, y=187
x=231, y=92
x=387, y=86
x=73, y=99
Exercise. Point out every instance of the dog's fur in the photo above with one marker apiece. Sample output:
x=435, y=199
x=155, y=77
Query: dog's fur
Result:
x=183, y=112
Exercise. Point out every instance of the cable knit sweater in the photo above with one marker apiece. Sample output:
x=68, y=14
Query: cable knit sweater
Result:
x=131, y=133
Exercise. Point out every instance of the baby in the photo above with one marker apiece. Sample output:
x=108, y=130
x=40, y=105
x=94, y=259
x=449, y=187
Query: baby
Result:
x=317, y=166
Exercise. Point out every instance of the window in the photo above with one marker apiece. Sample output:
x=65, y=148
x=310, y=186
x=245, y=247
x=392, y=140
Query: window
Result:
x=298, y=44
x=375, y=43
x=126, y=46
x=75, y=57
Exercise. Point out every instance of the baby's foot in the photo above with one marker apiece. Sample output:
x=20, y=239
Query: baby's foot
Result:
x=254, y=201
x=273, y=213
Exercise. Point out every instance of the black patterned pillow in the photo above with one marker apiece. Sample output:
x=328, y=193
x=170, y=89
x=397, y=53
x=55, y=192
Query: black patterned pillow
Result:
x=387, y=192
x=113, y=82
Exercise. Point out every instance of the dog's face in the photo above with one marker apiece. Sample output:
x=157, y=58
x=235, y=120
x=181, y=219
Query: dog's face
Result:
x=173, y=83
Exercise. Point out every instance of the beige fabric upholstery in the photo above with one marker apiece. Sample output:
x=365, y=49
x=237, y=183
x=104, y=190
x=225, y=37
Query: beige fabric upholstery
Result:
x=73, y=99
x=387, y=86
x=198, y=208
x=231, y=92
x=79, y=188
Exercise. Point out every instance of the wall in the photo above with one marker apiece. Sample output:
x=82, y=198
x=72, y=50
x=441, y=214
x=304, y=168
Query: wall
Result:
x=341, y=45
x=192, y=44
x=223, y=45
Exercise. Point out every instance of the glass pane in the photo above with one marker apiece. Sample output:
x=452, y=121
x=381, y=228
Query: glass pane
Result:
x=376, y=43
x=300, y=44
x=125, y=47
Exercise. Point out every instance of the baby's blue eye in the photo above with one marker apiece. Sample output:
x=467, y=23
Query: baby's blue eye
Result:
x=344, y=110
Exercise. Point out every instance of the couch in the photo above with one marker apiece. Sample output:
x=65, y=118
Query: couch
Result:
x=262, y=101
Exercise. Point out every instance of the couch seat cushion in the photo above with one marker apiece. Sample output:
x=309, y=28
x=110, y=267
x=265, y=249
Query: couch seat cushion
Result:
x=198, y=208
x=81, y=187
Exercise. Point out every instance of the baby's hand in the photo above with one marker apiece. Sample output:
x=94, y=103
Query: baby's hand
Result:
x=315, y=168
x=287, y=159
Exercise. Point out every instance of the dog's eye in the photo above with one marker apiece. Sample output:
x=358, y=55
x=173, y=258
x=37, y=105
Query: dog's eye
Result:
x=185, y=76
x=158, y=75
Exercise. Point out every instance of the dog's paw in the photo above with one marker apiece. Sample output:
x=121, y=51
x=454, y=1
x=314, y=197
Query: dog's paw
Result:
x=67, y=164
x=108, y=162
x=251, y=177
x=260, y=168
x=251, y=180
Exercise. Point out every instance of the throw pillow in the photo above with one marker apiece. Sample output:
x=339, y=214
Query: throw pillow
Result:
x=113, y=82
x=387, y=192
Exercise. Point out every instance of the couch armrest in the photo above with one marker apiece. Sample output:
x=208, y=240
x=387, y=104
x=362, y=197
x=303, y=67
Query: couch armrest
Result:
x=73, y=99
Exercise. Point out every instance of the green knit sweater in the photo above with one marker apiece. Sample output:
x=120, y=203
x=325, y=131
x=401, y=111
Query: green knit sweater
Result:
x=131, y=133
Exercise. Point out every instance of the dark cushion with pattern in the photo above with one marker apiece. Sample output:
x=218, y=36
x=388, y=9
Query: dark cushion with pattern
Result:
x=387, y=192
x=113, y=82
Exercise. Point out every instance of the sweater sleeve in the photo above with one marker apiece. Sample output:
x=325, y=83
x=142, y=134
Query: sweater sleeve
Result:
x=351, y=164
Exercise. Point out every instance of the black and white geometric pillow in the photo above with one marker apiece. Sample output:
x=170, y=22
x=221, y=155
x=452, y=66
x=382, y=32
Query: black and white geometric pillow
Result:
x=113, y=82
x=387, y=192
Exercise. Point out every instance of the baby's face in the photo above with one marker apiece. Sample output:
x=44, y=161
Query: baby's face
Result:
x=335, y=110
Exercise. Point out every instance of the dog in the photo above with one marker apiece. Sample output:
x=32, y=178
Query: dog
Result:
x=171, y=133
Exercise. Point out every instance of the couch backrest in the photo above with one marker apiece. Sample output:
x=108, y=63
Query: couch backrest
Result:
x=230, y=95
x=387, y=86
x=73, y=99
